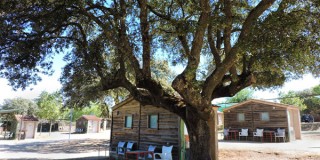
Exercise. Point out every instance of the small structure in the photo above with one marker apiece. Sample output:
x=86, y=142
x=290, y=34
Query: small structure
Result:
x=253, y=114
x=147, y=125
x=88, y=124
x=26, y=126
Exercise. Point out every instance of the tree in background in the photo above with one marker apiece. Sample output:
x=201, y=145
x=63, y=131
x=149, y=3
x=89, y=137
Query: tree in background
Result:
x=112, y=44
x=25, y=106
x=241, y=96
x=49, y=107
x=309, y=99
x=293, y=99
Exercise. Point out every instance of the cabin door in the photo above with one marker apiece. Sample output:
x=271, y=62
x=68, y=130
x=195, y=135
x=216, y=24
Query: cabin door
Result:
x=95, y=126
x=29, y=129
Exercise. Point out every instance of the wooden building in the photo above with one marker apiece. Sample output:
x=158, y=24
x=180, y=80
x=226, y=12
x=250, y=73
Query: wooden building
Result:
x=147, y=125
x=253, y=114
x=88, y=124
x=26, y=126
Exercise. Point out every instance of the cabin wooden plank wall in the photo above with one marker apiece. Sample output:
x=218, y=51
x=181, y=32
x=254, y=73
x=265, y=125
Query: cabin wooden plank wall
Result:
x=166, y=133
x=119, y=132
x=252, y=112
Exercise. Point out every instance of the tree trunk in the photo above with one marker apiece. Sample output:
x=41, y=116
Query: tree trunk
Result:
x=50, y=127
x=40, y=127
x=203, y=136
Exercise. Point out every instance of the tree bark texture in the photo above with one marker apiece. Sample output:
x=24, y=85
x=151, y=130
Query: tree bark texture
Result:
x=203, y=136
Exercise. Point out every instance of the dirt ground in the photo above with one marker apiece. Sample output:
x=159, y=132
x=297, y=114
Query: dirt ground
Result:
x=306, y=149
x=86, y=146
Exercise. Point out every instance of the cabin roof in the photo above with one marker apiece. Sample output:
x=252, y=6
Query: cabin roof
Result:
x=263, y=102
x=90, y=117
x=117, y=106
x=25, y=118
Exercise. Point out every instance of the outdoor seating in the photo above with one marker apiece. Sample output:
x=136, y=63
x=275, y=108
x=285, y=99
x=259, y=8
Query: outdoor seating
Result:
x=149, y=155
x=165, y=155
x=226, y=133
x=243, y=133
x=129, y=146
x=121, y=150
x=258, y=133
x=8, y=135
x=281, y=133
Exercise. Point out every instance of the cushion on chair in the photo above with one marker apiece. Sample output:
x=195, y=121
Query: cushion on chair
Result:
x=259, y=132
x=166, y=153
x=129, y=146
x=244, y=132
x=120, y=148
x=151, y=148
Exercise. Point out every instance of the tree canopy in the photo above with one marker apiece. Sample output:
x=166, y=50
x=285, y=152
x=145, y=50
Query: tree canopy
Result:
x=241, y=96
x=113, y=44
x=25, y=106
x=308, y=100
x=49, y=105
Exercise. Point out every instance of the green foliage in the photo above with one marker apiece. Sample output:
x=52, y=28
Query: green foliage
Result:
x=49, y=105
x=311, y=100
x=25, y=106
x=241, y=96
x=93, y=109
x=293, y=99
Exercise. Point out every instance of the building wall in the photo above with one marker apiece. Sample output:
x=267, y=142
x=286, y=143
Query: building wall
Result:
x=252, y=111
x=167, y=132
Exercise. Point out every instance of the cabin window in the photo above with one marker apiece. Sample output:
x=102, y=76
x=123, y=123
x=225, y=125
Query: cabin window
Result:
x=153, y=121
x=128, y=121
x=264, y=116
x=240, y=117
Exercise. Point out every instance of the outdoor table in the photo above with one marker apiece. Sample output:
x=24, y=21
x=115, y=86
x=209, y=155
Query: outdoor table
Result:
x=139, y=153
x=105, y=149
x=234, y=133
x=269, y=134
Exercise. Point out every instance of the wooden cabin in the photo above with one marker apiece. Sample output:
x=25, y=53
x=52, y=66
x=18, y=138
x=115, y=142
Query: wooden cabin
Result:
x=253, y=114
x=26, y=126
x=88, y=124
x=147, y=125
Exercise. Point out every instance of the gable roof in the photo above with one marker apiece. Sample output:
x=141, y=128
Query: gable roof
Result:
x=115, y=107
x=25, y=118
x=263, y=102
x=90, y=117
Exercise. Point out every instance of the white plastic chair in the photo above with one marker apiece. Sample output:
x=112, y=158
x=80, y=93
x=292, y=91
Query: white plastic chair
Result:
x=149, y=155
x=258, y=133
x=226, y=133
x=129, y=146
x=121, y=149
x=243, y=133
x=165, y=155
x=281, y=133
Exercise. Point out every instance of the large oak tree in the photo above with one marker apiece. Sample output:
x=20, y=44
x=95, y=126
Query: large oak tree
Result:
x=111, y=44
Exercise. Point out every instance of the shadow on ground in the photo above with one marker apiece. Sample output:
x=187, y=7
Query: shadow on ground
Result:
x=58, y=146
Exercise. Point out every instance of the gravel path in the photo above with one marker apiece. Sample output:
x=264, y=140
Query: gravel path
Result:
x=55, y=146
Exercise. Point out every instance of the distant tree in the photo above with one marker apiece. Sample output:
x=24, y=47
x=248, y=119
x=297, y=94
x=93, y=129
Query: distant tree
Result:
x=25, y=106
x=241, y=96
x=49, y=107
x=293, y=99
x=311, y=99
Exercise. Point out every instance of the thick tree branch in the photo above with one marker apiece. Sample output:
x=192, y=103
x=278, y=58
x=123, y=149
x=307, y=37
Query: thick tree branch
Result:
x=231, y=58
x=213, y=48
x=185, y=83
x=146, y=38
